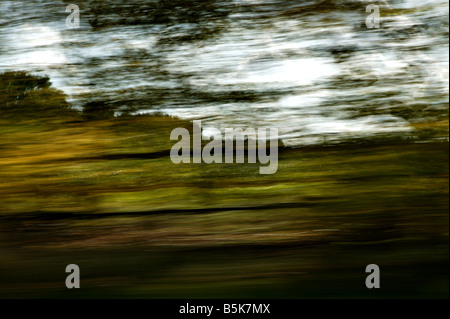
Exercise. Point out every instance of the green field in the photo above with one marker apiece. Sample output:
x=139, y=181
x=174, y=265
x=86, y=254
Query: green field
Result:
x=105, y=195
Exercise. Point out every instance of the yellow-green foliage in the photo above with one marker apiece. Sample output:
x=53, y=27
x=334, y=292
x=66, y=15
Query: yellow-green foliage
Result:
x=104, y=193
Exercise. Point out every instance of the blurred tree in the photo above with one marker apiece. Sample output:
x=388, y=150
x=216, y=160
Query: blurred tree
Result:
x=97, y=110
x=183, y=20
x=26, y=95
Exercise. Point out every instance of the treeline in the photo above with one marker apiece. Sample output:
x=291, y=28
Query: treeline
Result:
x=26, y=96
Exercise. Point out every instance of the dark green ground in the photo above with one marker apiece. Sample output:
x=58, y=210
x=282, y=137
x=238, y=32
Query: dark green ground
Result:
x=141, y=227
x=102, y=193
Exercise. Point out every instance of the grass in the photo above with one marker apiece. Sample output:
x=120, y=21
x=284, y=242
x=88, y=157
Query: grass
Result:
x=106, y=196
